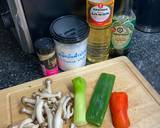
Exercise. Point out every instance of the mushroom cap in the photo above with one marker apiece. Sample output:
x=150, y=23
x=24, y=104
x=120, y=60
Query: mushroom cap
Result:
x=23, y=99
x=48, y=81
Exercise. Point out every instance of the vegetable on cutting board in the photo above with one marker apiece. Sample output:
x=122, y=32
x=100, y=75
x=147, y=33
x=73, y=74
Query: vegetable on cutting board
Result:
x=100, y=99
x=119, y=107
x=46, y=109
x=79, y=87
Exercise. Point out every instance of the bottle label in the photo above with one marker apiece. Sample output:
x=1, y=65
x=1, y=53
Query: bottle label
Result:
x=121, y=34
x=100, y=14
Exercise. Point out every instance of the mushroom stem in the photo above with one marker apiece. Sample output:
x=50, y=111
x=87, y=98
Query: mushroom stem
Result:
x=73, y=125
x=26, y=121
x=58, y=122
x=34, y=114
x=48, y=83
x=31, y=125
x=69, y=111
x=28, y=100
x=27, y=111
x=30, y=105
x=49, y=116
x=39, y=110
x=15, y=125
x=67, y=108
x=66, y=102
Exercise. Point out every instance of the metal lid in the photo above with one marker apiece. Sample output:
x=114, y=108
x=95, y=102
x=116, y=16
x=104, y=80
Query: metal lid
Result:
x=44, y=45
x=69, y=29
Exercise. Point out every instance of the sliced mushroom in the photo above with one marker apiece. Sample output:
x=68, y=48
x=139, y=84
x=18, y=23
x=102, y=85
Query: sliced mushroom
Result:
x=69, y=111
x=30, y=105
x=26, y=121
x=35, y=94
x=49, y=116
x=53, y=100
x=15, y=125
x=26, y=111
x=66, y=102
x=58, y=121
x=39, y=110
x=34, y=114
x=73, y=125
x=47, y=109
x=67, y=108
x=28, y=100
x=54, y=108
x=31, y=125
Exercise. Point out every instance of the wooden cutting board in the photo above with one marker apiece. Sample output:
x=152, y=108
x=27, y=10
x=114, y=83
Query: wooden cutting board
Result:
x=144, y=101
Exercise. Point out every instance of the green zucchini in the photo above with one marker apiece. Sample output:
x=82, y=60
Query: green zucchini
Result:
x=100, y=99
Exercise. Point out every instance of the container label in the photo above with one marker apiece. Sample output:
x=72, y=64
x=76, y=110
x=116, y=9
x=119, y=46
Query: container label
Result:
x=100, y=14
x=49, y=64
x=121, y=34
x=48, y=72
x=71, y=56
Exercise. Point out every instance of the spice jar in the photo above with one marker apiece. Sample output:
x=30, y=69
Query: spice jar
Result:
x=45, y=49
x=70, y=36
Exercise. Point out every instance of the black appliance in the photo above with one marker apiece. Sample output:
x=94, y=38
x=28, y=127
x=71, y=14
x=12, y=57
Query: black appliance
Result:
x=32, y=18
x=147, y=15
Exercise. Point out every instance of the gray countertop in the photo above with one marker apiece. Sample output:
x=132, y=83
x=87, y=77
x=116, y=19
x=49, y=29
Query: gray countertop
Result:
x=16, y=67
x=145, y=54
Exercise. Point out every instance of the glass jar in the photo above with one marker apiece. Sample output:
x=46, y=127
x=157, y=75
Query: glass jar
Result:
x=46, y=53
x=70, y=35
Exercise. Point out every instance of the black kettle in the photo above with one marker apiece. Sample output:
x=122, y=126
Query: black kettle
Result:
x=147, y=15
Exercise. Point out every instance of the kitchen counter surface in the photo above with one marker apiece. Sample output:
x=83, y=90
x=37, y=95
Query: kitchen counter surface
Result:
x=16, y=67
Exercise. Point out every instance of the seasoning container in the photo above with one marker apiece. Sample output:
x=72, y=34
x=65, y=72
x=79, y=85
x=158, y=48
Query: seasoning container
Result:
x=45, y=49
x=70, y=36
x=122, y=29
x=99, y=17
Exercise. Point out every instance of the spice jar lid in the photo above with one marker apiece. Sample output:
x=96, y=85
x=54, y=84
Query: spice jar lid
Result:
x=69, y=29
x=44, y=45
